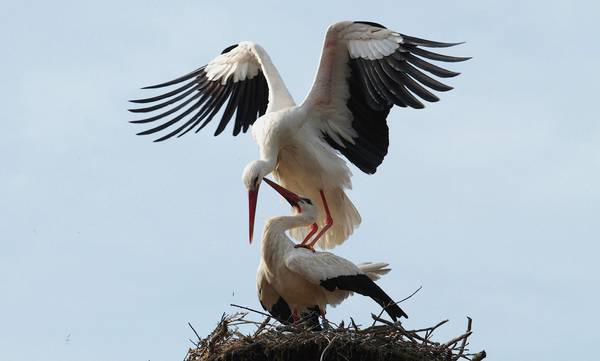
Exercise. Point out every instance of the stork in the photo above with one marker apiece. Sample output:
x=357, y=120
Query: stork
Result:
x=272, y=302
x=365, y=69
x=297, y=279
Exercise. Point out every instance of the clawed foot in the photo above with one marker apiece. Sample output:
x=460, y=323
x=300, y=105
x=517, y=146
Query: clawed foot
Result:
x=304, y=246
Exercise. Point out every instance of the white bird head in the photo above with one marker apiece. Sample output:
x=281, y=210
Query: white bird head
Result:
x=252, y=176
x=300, y=204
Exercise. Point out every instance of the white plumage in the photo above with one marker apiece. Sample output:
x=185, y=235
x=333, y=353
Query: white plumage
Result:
x=274, y=303
x=365, y=69
x=303, y=279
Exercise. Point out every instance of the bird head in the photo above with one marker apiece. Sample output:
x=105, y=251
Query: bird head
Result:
x=300, y=204
x=252, y=177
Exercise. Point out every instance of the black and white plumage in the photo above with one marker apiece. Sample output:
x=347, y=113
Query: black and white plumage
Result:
x=365, y=69
x=272, y=302
x=233, y=80
x=301, y=278
x=278, y=308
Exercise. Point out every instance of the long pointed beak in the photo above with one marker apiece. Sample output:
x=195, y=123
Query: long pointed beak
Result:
x=252, y=198
x=289, y=196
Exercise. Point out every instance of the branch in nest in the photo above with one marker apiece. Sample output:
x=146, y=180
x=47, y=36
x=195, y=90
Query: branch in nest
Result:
x=384, y=340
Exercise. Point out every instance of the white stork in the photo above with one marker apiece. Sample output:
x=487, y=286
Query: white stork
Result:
x=365, y=70
x=296, y=280
x=272, y=302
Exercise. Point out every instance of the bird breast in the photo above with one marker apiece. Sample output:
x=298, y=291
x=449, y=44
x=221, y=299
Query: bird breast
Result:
x=296, y=290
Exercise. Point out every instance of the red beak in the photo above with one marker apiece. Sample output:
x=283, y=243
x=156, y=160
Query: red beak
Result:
x=289, y=196
x=252, y=198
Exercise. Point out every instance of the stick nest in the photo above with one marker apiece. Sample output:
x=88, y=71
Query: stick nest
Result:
x=269, y=340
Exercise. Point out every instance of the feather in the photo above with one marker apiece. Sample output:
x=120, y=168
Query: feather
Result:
x=177, y=80
x=164, y=104
x=435, y=56
x=427, y=43
x=168, y=112
x=169, y=94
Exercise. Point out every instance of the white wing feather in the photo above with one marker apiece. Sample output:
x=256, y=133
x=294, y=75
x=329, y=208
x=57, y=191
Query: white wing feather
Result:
x=319, y=266
x=244, y=62
x=326, y=101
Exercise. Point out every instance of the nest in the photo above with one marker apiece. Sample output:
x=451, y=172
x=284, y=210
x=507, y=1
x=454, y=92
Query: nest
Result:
x=269, y=340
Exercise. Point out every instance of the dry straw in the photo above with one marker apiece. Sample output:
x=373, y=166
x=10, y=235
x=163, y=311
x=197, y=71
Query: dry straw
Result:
x=269, y=340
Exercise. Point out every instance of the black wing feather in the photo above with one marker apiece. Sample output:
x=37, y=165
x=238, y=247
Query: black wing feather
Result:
x=247, y=98
x=376, y=85
x=166, y=95
x=365, y=286
x=164, y=104
x=187, y=76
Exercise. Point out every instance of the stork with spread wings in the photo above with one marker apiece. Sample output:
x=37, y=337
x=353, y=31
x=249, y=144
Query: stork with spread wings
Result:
x=365, y=70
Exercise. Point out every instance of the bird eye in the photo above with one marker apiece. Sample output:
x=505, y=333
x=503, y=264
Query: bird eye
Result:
x=307, y=201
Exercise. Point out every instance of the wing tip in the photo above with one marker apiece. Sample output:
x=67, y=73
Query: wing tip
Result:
x=229, y=48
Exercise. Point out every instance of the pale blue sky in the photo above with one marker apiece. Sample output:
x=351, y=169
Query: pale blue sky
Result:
x=489, y=199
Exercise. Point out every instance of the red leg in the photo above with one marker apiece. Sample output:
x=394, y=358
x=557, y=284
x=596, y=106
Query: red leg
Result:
x=328, y=222
x=313, y=229
x=295, y=317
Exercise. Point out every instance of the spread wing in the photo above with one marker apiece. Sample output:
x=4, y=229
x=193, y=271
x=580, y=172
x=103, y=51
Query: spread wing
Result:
x=234, y=81
x=365, y=70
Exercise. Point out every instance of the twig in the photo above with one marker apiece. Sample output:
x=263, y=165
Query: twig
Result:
x=456, y=339
x=262, y=326
x=412, y=294
x=353, y=324
x=192, y=327
x=326, y=348
x=430, y=329
x=249, y=309
x=379, y=319
x=464, y=340
x=396, y=326
x=402, y=300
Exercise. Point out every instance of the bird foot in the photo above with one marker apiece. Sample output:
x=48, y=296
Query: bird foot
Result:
x=304, y=246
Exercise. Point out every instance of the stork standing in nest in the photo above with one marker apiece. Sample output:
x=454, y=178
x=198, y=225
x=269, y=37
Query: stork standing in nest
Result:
x=365, y=70
x=293, y=280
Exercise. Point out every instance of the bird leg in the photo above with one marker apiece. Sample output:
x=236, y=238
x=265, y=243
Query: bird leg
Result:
x=313, y=229
x=325, y=321
x=295, y=317
x=328, y=222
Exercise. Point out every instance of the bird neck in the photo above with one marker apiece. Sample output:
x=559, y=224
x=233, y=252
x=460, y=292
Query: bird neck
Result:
x=279, y=96
x=274, y=236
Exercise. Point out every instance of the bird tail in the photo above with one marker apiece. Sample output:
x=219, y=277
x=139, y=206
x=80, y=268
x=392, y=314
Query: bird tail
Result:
x=362, y=284
x=374, y=269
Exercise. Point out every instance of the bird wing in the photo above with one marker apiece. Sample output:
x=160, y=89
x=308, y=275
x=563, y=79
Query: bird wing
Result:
x=318, y=266
x=336, y=274
x=365, y=70
x=234, y=80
